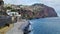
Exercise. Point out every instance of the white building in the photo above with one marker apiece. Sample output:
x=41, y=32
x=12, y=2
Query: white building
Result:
x=13, y=13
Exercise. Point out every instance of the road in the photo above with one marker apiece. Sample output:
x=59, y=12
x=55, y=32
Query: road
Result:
x=17, y=29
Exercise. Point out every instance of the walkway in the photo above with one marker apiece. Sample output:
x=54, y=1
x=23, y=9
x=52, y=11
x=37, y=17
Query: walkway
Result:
x=17, y=29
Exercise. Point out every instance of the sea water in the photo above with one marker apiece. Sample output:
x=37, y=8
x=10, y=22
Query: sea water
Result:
x=46, y=25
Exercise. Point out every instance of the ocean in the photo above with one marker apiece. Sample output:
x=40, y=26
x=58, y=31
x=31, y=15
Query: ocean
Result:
x=46, y=25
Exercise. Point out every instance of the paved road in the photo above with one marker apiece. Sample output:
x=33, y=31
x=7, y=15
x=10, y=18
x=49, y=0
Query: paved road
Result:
x=17, y=29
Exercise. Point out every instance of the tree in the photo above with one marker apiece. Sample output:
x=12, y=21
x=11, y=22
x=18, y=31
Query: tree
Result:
x=8, y=7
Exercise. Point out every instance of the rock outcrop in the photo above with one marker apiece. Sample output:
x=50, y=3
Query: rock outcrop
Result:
x=37, y=11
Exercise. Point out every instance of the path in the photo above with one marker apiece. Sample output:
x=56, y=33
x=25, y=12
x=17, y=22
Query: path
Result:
x=17, y=29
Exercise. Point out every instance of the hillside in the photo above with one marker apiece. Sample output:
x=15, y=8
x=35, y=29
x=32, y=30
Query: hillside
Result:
x=37, y=11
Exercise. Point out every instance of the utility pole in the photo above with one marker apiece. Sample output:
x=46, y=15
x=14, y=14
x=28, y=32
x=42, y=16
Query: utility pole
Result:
x=1, y=5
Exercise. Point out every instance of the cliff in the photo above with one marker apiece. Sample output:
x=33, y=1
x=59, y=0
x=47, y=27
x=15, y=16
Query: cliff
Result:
x=37, y=11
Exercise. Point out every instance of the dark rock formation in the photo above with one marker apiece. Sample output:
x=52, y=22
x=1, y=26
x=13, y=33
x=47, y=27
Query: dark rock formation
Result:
x=37, y=11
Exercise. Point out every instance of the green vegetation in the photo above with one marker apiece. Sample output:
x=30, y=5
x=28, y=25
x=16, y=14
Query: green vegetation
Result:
x=8, y=7
x=13, y=10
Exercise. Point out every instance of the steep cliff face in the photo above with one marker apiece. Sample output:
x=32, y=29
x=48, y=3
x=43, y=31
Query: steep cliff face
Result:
x=38, y=11
x=44, y=11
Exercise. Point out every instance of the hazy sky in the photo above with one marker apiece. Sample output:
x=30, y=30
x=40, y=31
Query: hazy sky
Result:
x=52, y=3
x=22, y=1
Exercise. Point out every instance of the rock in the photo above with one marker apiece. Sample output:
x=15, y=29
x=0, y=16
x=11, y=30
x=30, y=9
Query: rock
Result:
x=37, y=11
x=45, y=11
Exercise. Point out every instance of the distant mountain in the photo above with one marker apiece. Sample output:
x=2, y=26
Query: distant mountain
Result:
x=38, y=10
x=38, y=4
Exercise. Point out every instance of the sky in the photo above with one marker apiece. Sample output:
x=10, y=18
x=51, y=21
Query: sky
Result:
x=52, y=3
x=25, y=2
